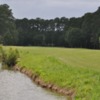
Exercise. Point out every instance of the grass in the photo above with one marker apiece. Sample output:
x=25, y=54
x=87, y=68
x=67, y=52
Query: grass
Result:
x=77, y=69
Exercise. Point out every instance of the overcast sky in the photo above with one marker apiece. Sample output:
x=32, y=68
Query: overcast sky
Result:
x=49, y=9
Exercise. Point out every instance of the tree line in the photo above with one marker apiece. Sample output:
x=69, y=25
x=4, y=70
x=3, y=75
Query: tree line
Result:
x=82, y=32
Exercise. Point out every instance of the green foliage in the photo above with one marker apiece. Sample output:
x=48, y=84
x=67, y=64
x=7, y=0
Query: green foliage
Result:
x=74, y=32
x=83, y=32
x=74, y=37
x=8, y=32
x=9, y=57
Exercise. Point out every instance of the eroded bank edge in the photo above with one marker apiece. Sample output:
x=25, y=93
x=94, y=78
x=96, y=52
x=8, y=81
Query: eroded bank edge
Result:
x=35, y=78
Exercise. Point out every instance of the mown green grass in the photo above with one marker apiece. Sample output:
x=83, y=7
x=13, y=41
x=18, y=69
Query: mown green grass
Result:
x=77, y=69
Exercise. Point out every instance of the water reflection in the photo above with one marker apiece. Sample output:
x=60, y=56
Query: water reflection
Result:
x=16, y=86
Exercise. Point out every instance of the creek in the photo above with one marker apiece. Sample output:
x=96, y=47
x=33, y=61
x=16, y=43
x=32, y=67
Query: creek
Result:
x=17, y=86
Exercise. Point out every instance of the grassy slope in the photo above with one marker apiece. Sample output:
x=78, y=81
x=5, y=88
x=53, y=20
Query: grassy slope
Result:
x=69, y=68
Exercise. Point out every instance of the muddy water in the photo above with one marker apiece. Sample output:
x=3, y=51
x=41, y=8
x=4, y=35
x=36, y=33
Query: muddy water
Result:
x=17, y=86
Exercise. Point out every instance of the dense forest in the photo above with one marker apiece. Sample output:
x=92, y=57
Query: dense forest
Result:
x=82, y=32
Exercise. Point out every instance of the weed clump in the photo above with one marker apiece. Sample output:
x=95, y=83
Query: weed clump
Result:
x=9, y=57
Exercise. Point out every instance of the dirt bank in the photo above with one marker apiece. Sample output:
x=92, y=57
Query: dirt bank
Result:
x=69, y=93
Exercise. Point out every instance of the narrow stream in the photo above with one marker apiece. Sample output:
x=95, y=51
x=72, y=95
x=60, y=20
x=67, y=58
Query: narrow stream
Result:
x=17, y=86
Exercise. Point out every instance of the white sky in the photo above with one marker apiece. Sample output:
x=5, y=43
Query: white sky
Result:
x=49, y=9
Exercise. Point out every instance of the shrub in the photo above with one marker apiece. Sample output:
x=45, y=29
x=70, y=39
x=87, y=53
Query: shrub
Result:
x=9, y=57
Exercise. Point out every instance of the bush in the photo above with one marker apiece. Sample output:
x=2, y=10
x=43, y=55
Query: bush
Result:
x=9, y=57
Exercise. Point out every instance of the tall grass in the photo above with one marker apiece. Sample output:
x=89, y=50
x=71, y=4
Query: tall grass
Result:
x=77, y=69
x=9, y=57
